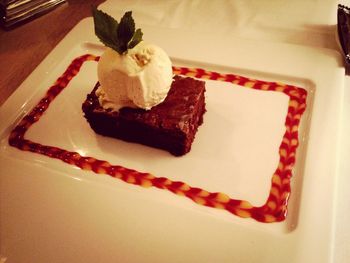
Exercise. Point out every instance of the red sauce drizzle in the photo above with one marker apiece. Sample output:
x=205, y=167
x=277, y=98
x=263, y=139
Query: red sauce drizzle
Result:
x=275, y=208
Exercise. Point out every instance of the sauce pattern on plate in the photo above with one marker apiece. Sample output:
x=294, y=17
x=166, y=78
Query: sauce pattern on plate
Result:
x=275, y=207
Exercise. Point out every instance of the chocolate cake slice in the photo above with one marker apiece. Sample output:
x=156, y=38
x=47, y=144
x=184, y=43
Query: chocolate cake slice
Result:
x=171, y=125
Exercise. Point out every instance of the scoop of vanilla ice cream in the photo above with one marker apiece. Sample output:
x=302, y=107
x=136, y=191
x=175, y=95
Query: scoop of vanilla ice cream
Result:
x=140, y=78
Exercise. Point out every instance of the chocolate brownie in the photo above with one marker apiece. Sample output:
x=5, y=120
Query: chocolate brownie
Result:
x=171, y=125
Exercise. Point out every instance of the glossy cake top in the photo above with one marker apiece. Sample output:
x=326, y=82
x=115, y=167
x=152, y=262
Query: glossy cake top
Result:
x=176, y=111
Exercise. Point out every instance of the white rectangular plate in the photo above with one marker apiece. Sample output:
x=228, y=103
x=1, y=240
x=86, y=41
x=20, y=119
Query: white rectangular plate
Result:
x=47, y=204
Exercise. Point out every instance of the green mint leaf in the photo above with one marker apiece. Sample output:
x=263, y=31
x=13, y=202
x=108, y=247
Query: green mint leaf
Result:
x=105, y=28
x=118, y=36
x=137, y=38
x=126, y=30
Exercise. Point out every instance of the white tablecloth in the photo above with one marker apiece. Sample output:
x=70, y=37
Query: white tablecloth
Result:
x=301, y=22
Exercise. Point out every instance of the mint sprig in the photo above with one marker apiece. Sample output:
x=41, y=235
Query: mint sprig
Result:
x=118, y=36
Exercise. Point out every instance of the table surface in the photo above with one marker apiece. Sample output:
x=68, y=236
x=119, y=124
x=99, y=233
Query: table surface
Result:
x=24, y=47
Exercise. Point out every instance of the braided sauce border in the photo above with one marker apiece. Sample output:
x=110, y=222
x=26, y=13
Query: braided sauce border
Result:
x=275, y=208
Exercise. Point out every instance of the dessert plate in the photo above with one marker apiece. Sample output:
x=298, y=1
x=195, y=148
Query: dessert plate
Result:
x=48, y=204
